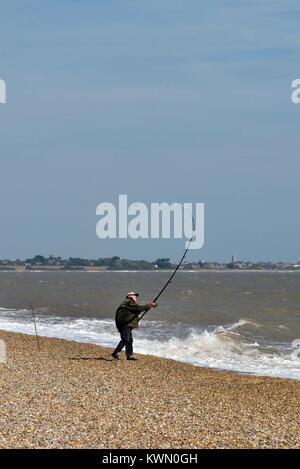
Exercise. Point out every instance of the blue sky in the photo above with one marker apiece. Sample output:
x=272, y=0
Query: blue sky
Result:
x=163, y=101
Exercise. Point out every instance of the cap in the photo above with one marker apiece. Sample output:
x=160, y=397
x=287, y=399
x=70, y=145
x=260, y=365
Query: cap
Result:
x=131, y=293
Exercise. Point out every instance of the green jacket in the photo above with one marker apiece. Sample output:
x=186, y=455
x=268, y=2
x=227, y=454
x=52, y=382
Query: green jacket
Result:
x=127, y=313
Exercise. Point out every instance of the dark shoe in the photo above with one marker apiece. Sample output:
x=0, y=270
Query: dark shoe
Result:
x=116, y=357
x=132, y=358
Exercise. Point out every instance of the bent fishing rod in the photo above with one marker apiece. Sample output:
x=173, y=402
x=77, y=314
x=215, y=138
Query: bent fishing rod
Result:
x=173, y=274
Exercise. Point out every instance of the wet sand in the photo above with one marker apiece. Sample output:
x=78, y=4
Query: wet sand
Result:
x=74, y=395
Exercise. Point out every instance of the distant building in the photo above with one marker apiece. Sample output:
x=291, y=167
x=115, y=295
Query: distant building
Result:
x=234, y=259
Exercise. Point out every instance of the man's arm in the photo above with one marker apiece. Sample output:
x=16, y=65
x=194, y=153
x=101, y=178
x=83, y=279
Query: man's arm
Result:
x=137, y=309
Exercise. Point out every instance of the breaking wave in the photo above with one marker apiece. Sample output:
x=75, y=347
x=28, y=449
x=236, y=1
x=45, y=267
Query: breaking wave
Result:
x=226, y=347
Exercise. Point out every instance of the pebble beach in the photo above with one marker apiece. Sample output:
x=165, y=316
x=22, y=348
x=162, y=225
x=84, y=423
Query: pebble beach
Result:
x=75, y=395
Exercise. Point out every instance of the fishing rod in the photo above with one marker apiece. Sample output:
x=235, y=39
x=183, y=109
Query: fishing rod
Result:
x=36, y=334
x=173, y=274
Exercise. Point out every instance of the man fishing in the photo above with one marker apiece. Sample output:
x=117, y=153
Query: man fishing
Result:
x=126, y=320
x=128, y=312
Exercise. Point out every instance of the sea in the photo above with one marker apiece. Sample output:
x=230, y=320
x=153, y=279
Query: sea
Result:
x=246, y=322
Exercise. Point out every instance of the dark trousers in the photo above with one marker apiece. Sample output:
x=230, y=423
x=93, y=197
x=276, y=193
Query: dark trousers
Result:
x=126, y=340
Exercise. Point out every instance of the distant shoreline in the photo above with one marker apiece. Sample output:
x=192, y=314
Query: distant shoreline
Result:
x=115, y=263
x=89, y=269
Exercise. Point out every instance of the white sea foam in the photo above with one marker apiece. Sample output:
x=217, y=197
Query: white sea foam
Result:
x=222, y=346
x=218, y=350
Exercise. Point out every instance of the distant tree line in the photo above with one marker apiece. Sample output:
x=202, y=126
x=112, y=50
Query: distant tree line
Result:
x=116, y=263
x=111, y=263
